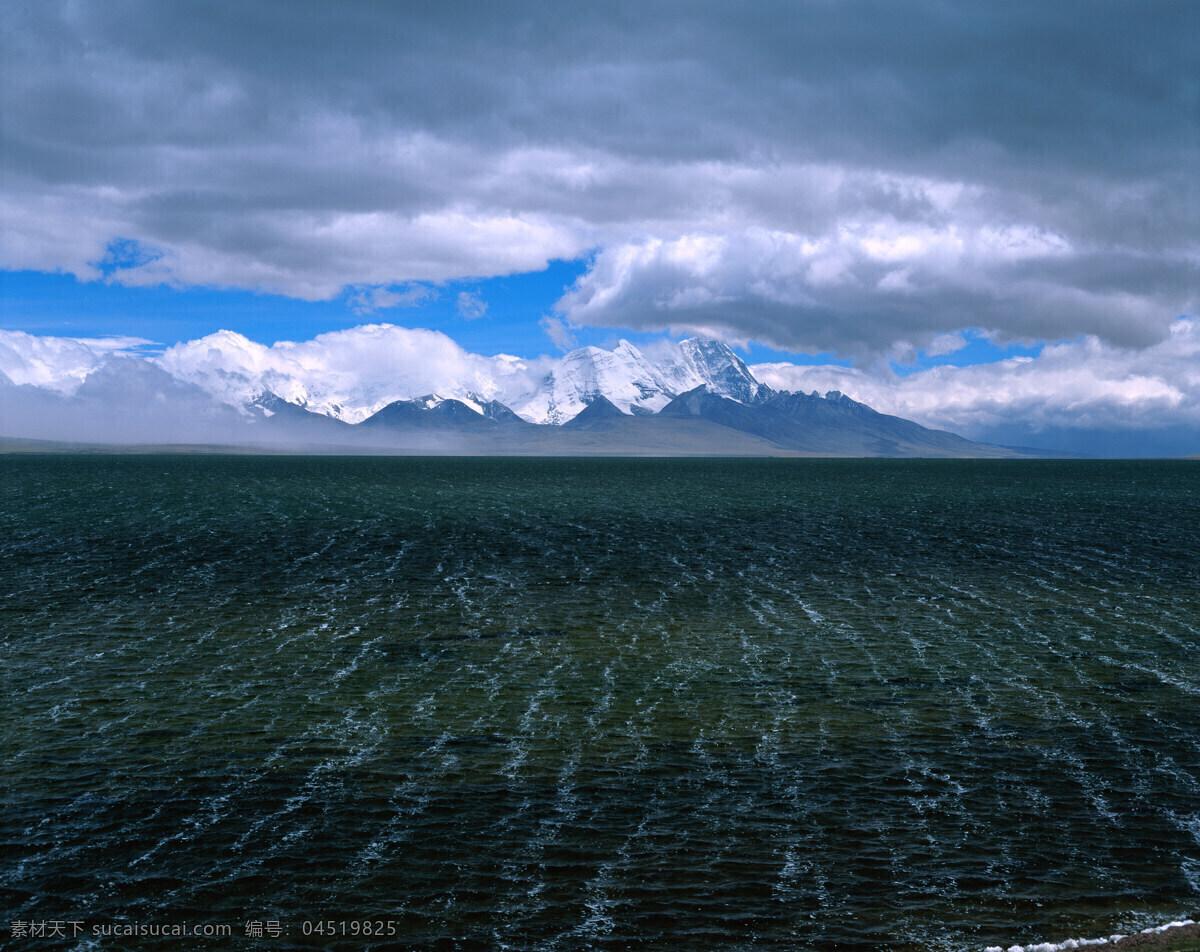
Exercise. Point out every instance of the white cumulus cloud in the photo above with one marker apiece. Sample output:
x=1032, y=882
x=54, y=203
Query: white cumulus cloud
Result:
x=60, y=364
x=1080, y=385
x=860, y=286
x=347, y=374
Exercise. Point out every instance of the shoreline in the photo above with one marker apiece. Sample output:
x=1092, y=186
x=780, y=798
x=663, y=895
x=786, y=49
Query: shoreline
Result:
x=1179, y=935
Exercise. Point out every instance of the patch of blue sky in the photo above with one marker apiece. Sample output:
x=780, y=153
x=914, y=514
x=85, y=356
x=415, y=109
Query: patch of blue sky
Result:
x=60, y=305
x=977, y=349
x=485, y=316
x=125, y=254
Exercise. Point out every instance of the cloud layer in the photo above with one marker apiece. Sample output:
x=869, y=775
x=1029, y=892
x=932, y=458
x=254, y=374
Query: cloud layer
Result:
x=818, y=176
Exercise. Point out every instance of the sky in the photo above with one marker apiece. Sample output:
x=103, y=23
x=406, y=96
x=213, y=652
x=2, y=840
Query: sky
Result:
x=981, y=216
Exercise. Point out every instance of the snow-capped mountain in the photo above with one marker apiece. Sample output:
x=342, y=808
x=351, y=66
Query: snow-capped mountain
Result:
x=700, y=399
x=635, y=385
x=347, y=375
x=352, y=376
x=711, y=363
x=623, y=375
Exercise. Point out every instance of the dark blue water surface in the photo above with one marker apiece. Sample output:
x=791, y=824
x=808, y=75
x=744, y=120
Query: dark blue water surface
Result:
x=600, y=704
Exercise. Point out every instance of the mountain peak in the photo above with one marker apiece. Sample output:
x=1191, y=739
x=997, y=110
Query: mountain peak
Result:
x=721, y=370
x=622, y=375
x=634, y=384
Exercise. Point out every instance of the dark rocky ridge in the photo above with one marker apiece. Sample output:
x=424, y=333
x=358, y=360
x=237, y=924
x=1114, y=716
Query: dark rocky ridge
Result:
x=775, y=423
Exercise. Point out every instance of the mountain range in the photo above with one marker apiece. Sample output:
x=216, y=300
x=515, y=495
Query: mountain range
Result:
x=702, y=401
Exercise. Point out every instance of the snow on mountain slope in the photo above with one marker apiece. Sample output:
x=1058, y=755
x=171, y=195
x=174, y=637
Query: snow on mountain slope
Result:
x=348, y=375
x=633, y=383
x=623, y=375
x=716, y=366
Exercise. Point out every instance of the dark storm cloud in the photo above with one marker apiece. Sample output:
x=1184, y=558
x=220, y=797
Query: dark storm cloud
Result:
x=303, y=147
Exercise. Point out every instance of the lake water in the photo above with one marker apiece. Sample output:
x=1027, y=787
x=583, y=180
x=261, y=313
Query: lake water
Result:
x=599, y=704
